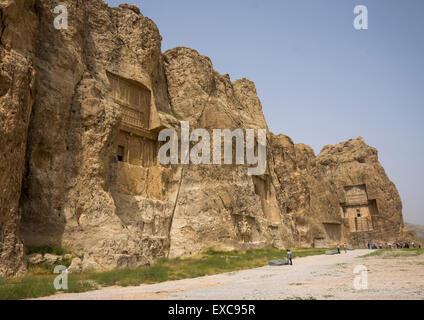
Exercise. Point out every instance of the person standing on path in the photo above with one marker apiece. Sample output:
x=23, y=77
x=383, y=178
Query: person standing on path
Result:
x=344, y=247
x=289, y=257
x=338, y=249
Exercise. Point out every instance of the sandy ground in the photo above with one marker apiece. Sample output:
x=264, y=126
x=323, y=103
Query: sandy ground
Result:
x=318, y=277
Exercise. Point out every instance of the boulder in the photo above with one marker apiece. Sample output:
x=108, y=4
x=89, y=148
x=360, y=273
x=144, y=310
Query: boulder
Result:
x=76, y=266
x=280, y=262
x=89, y=264
x=35, y=258
x=52, y=258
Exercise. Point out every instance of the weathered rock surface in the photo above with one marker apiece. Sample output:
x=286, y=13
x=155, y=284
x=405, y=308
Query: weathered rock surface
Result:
x=35, y=258
x=52, y=258
x=76, y=266
x=88, y=264
x=68, y=197
x=18, y=30
x=218, y=206
x=80, y=110
x=354, y=163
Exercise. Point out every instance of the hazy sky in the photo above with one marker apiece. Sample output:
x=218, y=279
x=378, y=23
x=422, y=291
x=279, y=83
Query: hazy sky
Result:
x=320, y=80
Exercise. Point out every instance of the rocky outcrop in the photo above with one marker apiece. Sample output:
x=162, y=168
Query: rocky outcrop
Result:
x=68, y=198
x=304, y=195
x=315, y=192
x=353, y=163
x=81, y=109
x=218, y=206
x=18, y=25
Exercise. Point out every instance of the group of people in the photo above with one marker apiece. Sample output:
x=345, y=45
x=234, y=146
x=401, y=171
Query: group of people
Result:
x=344, y=248
x=398, y=245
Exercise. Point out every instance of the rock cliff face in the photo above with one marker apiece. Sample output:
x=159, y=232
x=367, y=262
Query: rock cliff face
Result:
x=18, y=25
x=80, y=113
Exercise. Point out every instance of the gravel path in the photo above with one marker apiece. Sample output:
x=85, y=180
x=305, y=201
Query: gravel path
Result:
x=317, y=277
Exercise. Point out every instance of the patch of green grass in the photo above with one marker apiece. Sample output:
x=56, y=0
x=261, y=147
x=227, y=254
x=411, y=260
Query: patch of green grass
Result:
x=46, y=268
x=395, y=253
x=26, y=287
x=39, y=280
x=132, y=277
x=34, y=286
x=175, y=113
x=373, y=254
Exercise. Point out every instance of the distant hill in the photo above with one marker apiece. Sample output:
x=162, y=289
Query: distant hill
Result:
x=417, y=228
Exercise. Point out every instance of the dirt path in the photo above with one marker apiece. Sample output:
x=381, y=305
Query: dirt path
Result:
x=317, y=277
